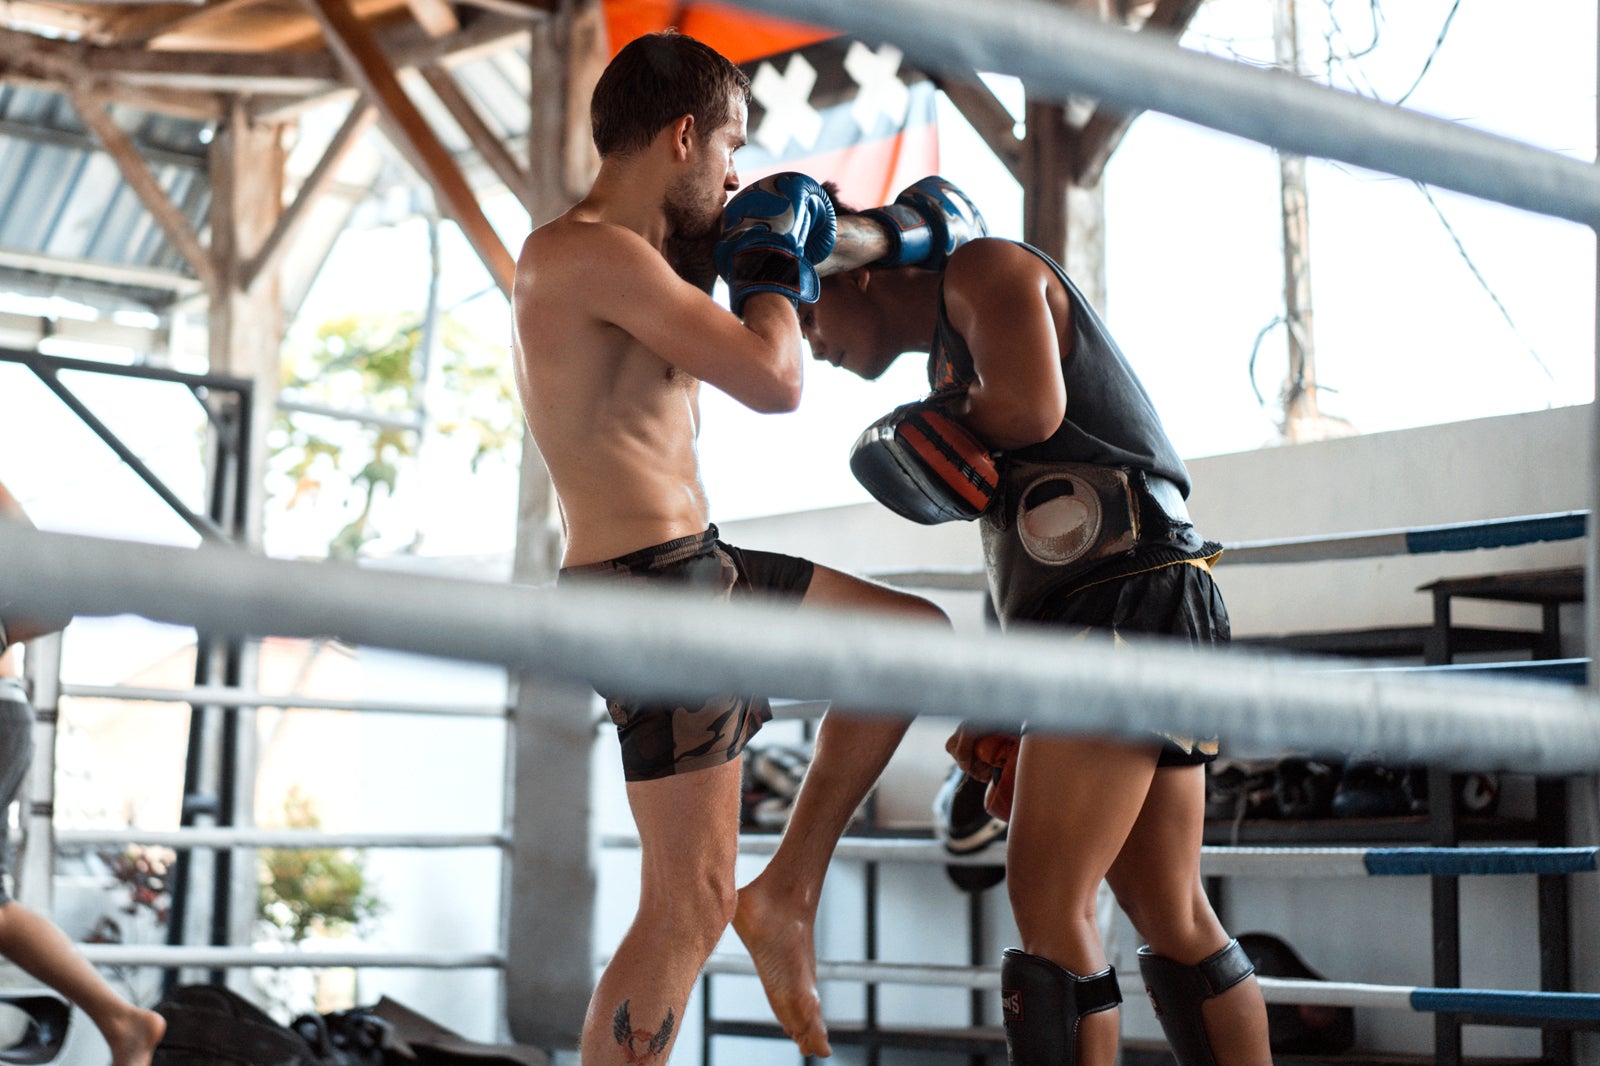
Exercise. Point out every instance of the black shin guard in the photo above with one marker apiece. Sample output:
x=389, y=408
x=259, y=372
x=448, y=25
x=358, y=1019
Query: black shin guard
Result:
x=1177, y=992
x=1043, y=1004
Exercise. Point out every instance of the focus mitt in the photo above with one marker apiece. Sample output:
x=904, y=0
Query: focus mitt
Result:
x=926, y=223
x=922, y=464
x=773, y=233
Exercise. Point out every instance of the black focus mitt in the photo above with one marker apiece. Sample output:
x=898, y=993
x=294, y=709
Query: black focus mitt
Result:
x=922, y=464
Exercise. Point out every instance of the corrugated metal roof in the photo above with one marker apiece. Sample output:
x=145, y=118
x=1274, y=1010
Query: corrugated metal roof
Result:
x=63, y=198
x=64, y=201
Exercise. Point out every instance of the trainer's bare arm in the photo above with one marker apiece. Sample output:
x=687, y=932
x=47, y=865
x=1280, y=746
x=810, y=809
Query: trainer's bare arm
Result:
x=860, y=242
x=757, y=361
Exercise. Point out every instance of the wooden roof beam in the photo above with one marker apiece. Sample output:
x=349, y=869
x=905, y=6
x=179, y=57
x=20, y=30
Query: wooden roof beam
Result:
x=436, y=17
x=490, y=146
x=206, y=71
x=91, y=106
x=408, y=48
x=360, y=119
x=406, y=126
x=139, y=26
x=989, y=117
x=1098, y=137
x=277, y=78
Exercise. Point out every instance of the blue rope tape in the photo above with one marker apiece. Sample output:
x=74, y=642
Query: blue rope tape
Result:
x=1502, y=533
x=1454, y=862
x=1568, y=1005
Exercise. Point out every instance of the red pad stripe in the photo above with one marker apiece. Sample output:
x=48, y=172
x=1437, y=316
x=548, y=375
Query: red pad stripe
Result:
x=945, y=462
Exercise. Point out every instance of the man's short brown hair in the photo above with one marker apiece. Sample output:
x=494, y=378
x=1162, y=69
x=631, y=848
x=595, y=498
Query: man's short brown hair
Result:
x=655, y=80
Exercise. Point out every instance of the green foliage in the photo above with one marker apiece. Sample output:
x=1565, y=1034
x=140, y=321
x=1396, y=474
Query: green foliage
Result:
x=322, y=891
x=369, y=363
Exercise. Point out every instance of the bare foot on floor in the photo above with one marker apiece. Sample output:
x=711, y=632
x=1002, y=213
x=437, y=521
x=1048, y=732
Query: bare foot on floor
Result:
x=134, y=1037
x=785, y=954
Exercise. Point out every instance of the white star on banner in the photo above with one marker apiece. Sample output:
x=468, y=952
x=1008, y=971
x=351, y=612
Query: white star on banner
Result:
x=786, y=98
x=881, y=90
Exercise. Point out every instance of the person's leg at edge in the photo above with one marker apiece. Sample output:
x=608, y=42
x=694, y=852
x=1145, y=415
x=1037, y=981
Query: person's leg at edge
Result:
x=776, y=914
x=1076, y=800
x=688, y=835
x=44, y=951
x=1157, y=882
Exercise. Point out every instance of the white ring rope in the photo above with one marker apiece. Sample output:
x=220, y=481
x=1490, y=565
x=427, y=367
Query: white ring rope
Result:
x=245, y=958
x=1224, y=860
x=675, y=646
x=1273, y=989
x=225, y=696
x=286, y=839
x=1058, y=52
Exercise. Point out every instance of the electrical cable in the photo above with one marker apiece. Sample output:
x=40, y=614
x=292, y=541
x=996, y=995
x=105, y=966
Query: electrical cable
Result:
x=1437, y=44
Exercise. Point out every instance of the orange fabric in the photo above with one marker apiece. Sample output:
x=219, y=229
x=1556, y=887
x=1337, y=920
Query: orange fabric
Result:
x=871, y=173
x=732, y=31
x=999, y=750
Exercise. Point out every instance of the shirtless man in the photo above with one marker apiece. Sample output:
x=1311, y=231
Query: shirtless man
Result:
x=612, y=344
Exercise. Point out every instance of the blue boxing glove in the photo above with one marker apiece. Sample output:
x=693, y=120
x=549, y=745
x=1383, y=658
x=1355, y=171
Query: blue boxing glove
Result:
x=927, y=221
x=773, y=233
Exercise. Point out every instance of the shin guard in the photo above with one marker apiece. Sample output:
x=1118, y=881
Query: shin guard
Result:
x=1043, y=1004
x=1177, y=992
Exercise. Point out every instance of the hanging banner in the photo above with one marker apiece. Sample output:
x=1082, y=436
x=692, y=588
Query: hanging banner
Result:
x=843, y=111
x=830, y=106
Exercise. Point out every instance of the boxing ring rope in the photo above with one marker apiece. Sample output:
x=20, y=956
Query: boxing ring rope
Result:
x=223, y=696
x=1367, y=544
x=1573, y=1006
x=672, y=646
x=247, y=837
x=245, y=958
x=1235, y=861
x=1058, y=52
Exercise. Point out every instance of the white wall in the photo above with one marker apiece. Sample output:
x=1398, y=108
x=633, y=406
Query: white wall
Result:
x=1358, y=931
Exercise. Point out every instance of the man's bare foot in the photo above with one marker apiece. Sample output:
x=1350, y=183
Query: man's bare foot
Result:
x=784, y=950
x=133, y=1037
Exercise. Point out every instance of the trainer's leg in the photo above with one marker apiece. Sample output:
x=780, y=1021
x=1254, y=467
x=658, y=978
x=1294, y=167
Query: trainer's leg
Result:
x=688, y=836
x=1076, y=800
x=777, y=911
x=1157, y=882
x=34, y=943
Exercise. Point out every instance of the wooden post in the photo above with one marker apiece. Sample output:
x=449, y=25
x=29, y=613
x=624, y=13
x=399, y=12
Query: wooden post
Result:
x=371, y=69
x=551, y=882
x=246, y=321
x=246, y=332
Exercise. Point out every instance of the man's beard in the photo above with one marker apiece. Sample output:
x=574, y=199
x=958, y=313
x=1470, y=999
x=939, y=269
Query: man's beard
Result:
x=691, y=217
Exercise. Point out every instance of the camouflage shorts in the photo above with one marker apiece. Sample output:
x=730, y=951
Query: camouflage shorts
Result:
x=661, y=739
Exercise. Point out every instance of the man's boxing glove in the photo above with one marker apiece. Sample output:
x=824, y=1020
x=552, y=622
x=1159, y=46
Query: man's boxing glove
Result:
x=924, y=465
x=927, y=221
x=773, y=232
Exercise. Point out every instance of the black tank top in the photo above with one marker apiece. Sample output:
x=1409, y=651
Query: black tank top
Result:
x=1110, y=419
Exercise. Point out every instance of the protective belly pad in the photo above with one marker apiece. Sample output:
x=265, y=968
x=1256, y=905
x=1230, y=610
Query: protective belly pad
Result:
x=924, y=465
x=1055, y=521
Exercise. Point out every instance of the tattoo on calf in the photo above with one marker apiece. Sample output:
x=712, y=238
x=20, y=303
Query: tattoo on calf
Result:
x=640, y=1045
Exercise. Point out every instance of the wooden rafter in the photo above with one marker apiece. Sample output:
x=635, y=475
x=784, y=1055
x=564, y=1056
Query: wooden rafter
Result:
x=357, y=122
x=436, y=17
x=1098, y=137
x=989, y=117
x=489, y=145
x=141, y=25
x=408, y=49
x=405, y=125
x=91, y=106
x=241, y=72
